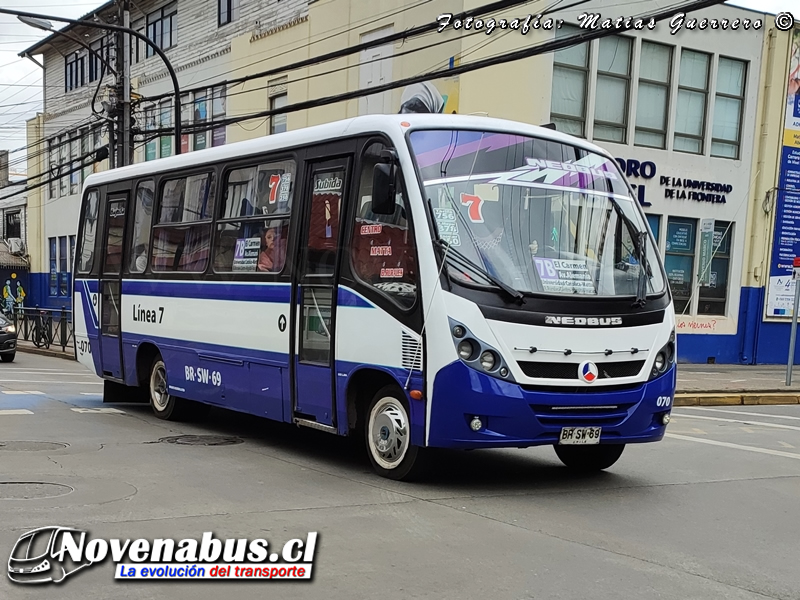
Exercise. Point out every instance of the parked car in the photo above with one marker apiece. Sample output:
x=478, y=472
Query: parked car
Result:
x=8, y=340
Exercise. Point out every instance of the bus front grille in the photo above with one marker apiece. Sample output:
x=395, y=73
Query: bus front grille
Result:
x=558, y=370
x=575, y=416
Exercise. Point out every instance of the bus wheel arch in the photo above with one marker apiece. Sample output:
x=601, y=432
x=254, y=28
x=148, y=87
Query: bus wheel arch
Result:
x=145, y=355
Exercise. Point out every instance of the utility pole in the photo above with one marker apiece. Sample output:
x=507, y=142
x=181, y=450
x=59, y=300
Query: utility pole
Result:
x=124, y=85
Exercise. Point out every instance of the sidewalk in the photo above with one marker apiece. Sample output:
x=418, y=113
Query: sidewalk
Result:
x=54, y=350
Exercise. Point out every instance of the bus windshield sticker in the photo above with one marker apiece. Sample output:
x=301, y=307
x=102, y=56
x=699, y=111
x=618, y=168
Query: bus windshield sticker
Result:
x=396, y=273
x=447, y=225
x=245, y=257
x=371, y=229
x=475, y=204
x=286, y=186
x=564, y=275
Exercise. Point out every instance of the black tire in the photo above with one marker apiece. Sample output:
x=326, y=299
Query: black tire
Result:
x=8, y=357
x=589, y=458
x=387, y=433
x=165, y=405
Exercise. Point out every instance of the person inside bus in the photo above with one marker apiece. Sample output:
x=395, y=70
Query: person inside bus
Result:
x=266, y=258
x=140, y=263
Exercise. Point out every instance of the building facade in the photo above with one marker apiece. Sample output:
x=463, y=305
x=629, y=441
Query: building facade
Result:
x=79, y=93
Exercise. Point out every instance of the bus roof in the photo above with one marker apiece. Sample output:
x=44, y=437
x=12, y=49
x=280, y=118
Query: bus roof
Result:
x=394, y=125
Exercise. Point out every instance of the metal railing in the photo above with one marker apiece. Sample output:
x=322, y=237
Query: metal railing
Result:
x=45, y=327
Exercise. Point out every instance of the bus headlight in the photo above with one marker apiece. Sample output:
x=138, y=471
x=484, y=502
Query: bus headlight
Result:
x=465, y=349
x=664, y=358
x=477, y=354
x=488, y=361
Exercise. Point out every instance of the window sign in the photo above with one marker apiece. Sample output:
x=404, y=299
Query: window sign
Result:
x=680, y=237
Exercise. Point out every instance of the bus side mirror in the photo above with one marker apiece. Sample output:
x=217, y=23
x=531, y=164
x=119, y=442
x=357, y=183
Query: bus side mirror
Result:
x=383, y=193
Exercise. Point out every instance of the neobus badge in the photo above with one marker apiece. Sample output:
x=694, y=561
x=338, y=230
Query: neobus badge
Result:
x=585, y=321
x=329, y=184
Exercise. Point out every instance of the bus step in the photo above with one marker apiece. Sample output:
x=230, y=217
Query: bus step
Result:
x=315, y=425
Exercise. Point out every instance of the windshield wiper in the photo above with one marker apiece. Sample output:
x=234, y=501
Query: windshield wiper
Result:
x=639, y=239
x=516, y=295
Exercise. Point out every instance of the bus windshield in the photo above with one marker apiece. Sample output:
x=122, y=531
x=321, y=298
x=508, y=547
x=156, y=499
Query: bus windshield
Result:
x=539, y=216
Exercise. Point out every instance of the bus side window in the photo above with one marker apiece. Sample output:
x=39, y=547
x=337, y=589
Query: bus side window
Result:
x=89, y=234
x=253, y=228
x=382, y=250
x=143, y=218
x=182, y=236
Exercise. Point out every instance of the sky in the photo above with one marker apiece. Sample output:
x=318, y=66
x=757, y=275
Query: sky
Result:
x=21, y=79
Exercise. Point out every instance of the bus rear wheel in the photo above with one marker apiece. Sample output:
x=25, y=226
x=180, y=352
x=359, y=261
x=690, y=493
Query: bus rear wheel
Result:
x=388, y=437
x=165, y=405
x=589, y=458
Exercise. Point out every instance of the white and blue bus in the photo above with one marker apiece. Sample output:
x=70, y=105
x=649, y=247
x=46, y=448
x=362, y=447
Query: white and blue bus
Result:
x=426, y=280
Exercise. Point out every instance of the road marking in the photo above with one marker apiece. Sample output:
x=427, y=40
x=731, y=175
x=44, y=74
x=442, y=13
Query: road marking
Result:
x=700, y=431
x=737, y=380
x=15, y=411
x=735, y=446
x=741, y=412
x=785, y=445
x=54, y=373
x=99, y=410
x=15, y=393
x=91, y=393
x=49, y=381
x=747, y=429
x=748, y=422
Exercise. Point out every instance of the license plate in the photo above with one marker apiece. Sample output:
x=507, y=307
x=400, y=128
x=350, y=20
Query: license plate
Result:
x=579, y=435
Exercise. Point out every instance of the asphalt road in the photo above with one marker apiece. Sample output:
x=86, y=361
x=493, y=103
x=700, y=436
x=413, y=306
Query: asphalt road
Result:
x=710, y=512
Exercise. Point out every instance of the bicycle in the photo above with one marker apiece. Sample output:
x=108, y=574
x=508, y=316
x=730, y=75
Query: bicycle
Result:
x=40, y=333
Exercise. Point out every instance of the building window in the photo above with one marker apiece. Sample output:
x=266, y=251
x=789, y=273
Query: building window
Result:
x=690, y=119
x=278, y=122
x=162, y=27
x=138, y=50
x=62, y=266
x=74, y=75
x=728, y=103
x=570, y=76
x=652, y=105
x=151, y=123
x=53, y=267
x=75, y=163
x=654, y=221
x=227, y=11
x=679, y=260
x=63, y=164
x=217, y=114
x=13, y=224
x=713, y=292
x=98, y=54
x=200, y=116
x=165, y=122
x=71, y=252
x=613, y=83
x=53, y=165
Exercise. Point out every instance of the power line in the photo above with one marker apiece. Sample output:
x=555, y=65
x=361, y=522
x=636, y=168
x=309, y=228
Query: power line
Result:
x=542, y=48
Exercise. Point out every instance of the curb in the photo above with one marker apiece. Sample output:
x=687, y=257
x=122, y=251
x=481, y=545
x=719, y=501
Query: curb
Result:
x=42, y=352
x=728, y=399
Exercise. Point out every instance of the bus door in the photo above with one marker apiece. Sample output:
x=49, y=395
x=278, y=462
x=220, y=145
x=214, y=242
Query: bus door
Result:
x=315, y=297
x=111, y=285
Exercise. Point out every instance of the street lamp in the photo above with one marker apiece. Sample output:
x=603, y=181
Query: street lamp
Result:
x=48, y=26
x=43, y=22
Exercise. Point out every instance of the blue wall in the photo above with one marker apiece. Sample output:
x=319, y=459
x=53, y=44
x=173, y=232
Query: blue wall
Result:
x=40, y=292
x=755, y=342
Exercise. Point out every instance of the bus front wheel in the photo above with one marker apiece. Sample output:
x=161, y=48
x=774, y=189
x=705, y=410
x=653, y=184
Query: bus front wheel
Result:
x=165, y=405
x=388, y=437
x=589, y=458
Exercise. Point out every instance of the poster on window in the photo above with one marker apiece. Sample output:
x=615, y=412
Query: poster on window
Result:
x=245, y=255
x=786, y=238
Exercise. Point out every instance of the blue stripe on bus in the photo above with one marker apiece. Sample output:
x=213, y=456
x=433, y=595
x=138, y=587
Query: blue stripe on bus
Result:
x=255, y=292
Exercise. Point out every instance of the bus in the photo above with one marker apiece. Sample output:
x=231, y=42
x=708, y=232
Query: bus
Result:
x=423, y=280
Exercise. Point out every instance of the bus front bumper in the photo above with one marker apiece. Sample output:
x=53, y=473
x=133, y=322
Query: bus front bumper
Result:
x=515, y=416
